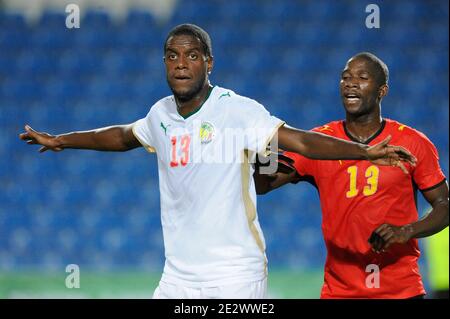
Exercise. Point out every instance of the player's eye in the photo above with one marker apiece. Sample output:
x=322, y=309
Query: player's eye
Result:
x=171, y=56
x=193, y=56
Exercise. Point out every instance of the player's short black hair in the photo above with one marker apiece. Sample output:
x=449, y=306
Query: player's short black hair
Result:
x=381, y=69
x=195, y=31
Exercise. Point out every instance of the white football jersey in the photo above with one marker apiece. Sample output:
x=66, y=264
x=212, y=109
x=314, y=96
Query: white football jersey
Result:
x=208, y=200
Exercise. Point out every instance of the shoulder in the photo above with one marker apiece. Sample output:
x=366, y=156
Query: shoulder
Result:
x=233, y=100
x=163, y=105
x=407, y=132
x=413, y=139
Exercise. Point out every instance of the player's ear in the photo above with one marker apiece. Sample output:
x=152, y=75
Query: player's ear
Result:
x=383, y=91
x=210, y=61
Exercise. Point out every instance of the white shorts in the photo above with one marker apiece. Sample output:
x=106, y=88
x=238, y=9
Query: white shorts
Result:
x=246, y=290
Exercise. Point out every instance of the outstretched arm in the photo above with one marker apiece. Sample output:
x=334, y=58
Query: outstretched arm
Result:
x=117, y=138
x=320, y=146
x=435, y=221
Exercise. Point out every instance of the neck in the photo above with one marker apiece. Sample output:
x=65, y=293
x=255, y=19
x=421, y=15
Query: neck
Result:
x=363, y=127
x=188, y=106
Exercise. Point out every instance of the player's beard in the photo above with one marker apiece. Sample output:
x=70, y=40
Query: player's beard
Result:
x=189, y=94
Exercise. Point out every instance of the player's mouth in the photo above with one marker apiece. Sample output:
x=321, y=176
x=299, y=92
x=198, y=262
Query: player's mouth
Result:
x=182, y=78
x=352, y=97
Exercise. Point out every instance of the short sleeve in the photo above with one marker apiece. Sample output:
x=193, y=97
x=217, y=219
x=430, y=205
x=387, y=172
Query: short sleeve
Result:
x=428, y=172
x=260, y=127
x=143, y=132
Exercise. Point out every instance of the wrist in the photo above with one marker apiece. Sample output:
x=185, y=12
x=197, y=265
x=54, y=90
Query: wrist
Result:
x=408, y=230
x=59, y=141
x=365, y=151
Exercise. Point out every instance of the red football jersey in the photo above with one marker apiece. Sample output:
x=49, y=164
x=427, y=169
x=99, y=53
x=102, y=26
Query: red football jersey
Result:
x=358, y=196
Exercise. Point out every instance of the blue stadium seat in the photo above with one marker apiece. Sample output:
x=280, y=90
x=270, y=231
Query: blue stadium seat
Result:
x=38, y=64
x=52, y=20
x=12, y=21
x=22, y=89
x=96, y=20
x=101, y=39
x=87, y=63
x=52, y=39
x=7, y=65
x=104, y=209
x=14, y=40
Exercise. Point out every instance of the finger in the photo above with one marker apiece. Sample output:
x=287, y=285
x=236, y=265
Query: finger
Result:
x=406, y=157
x=386, y=140
x=390, y=154
x=375, y=241
x=30, y=131
x=378, y=244
x=405, y=154
x=371, y=238
x=386, y=233
x=31, y=142
x=285, y=158
x=389, y=235
x=43, y=149
x=284, y=167
x=373, y=245
x=402, y=167
x=387, y=244
x=393, y=159
x=24, y=136
x=380, y=228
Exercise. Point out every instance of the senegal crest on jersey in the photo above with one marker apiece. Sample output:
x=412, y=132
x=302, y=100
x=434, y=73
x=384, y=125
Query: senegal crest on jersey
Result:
x=206, y=132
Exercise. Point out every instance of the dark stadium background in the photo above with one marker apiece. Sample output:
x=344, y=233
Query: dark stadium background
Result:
x=101, y=210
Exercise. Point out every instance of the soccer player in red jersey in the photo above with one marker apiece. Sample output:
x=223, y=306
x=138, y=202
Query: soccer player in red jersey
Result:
x=369, y=215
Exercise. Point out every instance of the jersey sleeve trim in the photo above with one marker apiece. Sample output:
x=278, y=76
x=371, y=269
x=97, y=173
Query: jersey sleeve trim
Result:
x=149, y=148
x=250, y=208
x=266, y=152
x=435, y=186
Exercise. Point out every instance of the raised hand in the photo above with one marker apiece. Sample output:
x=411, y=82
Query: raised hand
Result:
x=385, y=154
x=48, y=141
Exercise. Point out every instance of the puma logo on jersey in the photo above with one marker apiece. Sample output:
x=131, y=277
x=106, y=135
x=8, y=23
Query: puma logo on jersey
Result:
x=164, y=128
x=224, y=94
x=401, y=127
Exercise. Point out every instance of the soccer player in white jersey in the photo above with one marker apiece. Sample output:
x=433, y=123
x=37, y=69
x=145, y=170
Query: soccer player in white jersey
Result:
x=214, y=246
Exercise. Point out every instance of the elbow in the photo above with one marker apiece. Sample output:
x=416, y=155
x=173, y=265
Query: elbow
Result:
x=441, y=209
x=446, y=223
x=261, y=188
x=120, y=147
x=125, y=147
x=261, y=191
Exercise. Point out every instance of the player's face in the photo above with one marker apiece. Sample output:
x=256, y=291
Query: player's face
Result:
x=186, y=66
x=359, y=88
